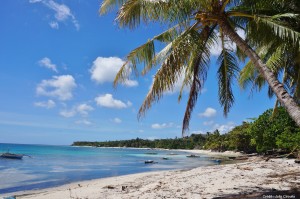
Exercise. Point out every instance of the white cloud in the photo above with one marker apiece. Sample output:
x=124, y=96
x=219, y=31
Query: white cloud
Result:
x=217, y=48
x=84, y=109
x=46, y=62
x=152, y=138
x=130, y=83
x=117, y=120
x=60, y=87
x=105, y=69
x=203, y=90
x=68, y=113
x=209, y=112
x=108, y=101
x=162, y=126
x=34, y=1
x=62, y=12
x=54, y=24
x=129, y=103
x=85, y=122
x=48, y=104
x=208, y=123
x=198, y=132
x=225, y=127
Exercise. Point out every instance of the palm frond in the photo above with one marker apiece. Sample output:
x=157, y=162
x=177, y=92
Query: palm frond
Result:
x=247, y=75
x=240, y=54
x=171, y=68
x=198, y=66
x=276, y=60
x=133, y=12
x=280, y=29
x=189, y=72
x=227, y=72
x=146, y=54
x=107, y=5
x=266, y=7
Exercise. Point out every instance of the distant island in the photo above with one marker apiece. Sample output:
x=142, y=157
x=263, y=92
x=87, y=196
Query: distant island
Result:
x=195, y=141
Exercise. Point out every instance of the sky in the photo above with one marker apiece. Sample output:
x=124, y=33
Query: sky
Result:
x=58, y=60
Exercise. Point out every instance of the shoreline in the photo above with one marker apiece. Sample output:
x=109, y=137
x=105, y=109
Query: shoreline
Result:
x=197, y=151
x=213, y=153
x=254, y=175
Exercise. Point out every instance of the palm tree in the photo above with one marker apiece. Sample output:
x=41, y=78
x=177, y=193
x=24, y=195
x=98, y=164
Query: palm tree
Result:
x=283, y=60
x=194, y=26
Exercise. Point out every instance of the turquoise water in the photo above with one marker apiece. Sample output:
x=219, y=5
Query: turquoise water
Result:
x=51, y=166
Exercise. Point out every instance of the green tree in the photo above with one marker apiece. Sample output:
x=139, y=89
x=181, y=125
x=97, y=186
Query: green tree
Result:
x=239, y=138
x=289, y=139
x=283, y=59
x=217, y=142
x=194, y=24
x=267, y=129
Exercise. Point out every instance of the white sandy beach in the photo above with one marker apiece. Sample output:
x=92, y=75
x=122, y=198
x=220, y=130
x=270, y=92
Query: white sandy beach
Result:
x=254, y=176
x=212, y=153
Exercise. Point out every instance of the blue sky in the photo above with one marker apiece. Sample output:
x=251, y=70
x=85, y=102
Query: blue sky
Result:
x=58, y=60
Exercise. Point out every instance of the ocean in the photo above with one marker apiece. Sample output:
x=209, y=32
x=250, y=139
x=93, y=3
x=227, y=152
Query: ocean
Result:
x=50, y=166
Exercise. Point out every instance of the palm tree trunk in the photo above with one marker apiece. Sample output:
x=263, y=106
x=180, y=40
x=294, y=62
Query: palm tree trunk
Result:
x=277, y=101
x=275, y=108
x=282, y=95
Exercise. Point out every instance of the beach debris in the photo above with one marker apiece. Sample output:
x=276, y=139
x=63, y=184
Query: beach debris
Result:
x=267, y=159
x=109, y=187
x=252, y=154
x=281, y=175
x=150, y=162
x=241, y=158
x=70, y=191
x=151, y=153
x=245, y=168
x=297, y=161
x=124, y=188
x=193, y=156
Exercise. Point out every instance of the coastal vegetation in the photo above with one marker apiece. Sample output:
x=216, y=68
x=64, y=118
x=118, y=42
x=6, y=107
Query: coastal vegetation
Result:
x=267, y=132
x=271, y=36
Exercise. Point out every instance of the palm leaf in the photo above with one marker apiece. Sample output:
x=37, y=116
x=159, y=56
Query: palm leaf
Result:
x=172, y=68
x=198, y=66
x=227, y=72
x=280, y=29
x=247, y=75
x=145, y=54
x=133, y=12
x=107, y=5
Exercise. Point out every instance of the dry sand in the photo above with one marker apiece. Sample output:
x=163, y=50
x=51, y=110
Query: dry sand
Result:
x=254, y=176
x=213, y=153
